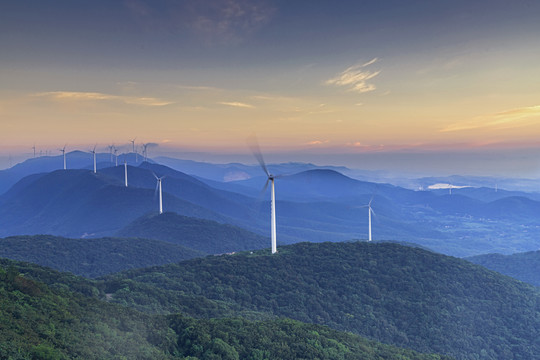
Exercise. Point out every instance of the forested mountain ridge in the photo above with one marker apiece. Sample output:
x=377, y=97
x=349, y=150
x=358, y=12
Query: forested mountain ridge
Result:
x=204, y=236
x=38, y=321
x=400, y=295
x=521, y=266
x=93, y=257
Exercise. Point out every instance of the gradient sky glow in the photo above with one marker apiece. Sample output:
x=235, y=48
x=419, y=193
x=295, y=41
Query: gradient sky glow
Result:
x=309, y=77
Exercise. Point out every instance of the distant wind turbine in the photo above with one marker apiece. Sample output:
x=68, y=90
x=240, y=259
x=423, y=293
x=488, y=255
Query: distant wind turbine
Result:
x=254, y=145
x=63, y=150
x=94, y=153
x=115, y=155
x=158, y=186
x=125, y=170
x=370, y=211
x=111, y=147
x=145, y=151
x=133, y=143
x=34, y=148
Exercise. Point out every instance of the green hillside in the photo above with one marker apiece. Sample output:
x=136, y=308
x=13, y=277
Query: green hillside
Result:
x=92, y=257
x=401, y=295
x=206, y=236
x=43, y=322
x=521, y=266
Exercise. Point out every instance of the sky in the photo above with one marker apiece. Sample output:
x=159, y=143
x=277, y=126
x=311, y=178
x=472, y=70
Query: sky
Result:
x=427, y=85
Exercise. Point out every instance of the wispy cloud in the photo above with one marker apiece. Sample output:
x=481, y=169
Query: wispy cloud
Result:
x=356, y=78
x=510, y=118
x=237, y=104
x=96, y=96
x=317, y=142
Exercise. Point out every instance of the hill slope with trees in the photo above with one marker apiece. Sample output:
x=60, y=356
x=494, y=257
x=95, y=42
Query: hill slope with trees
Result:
x=521, y=266
x=395, y=294
x=42, y=322
x=205, y=236
x=93, y=257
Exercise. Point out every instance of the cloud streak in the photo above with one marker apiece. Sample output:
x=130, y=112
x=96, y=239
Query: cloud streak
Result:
x=513, y=117
x=237, y=104
x=96, y=96
x=356, y=78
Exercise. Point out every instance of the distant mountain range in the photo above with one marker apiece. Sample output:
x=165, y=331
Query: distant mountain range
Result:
x=315, y=205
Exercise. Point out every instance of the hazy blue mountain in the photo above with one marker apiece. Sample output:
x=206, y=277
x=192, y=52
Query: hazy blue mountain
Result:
x=79, y=203
x=45, y=164
x=205, y=236
x=93, y=257
x=500, y=183
x=315, y=205
x=236, y=171
x=521, y=266
x=400, y=295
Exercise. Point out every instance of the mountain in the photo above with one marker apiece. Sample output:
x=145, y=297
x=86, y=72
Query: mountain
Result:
x=399, y=295
x=521, y=266
x=93, y=257
x=38, y=321
x=45, y=164
x=316, y=205
x=79, y=203
x=236, y=171
x=205, y=236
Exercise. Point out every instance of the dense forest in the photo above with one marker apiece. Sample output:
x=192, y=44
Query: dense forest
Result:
x=38, y=321
x=401, y=295
x=93, y=257
x=521, y=266
x=205, y=236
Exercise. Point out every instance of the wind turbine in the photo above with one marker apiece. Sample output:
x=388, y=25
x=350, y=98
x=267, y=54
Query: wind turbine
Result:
x=145, y=151
x=94, y=153
x=125, y=170
x=63, y=150
x=34, y=147
x=111, y=147
x=133, y=143
x=270, y=179
x=115, y=155
x=158, y=186
x=370, y=211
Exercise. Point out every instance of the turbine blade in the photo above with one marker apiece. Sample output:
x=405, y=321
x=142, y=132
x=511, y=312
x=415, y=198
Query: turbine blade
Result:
x=256, y=150
x=265, y=186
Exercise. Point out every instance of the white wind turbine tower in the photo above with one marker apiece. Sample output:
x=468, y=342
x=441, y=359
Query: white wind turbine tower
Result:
x=258, y=155
x=115, y=155
x=158, y=186
x=370, y=211
x=94, y=153
x=111, y=147
x=63, y=150
x=145, y=152
x=125, y=171
x=34, y=148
